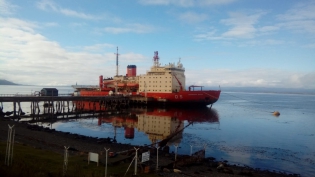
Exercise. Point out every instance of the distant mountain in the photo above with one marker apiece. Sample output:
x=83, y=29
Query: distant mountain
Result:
x=5, y=82
x=269, y=90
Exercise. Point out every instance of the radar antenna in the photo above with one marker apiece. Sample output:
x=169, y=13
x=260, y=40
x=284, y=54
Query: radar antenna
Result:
x=156, y=59
x=117, y=62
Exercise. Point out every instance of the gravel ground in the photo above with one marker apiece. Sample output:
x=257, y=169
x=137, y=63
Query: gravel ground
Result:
x=45, y=138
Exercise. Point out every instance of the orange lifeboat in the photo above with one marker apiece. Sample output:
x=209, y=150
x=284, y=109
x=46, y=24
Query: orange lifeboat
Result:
x=132, y=85
x=121, y=84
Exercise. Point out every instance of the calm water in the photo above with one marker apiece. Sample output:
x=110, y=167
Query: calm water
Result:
x=240, y=128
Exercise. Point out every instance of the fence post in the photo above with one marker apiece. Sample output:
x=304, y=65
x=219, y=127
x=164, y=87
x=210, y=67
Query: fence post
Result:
x=136, y=160
x=10, y=144
x=65, y=161
x=106, y=161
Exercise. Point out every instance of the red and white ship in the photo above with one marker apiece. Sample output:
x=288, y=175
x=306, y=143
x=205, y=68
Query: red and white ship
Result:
x=161, y=84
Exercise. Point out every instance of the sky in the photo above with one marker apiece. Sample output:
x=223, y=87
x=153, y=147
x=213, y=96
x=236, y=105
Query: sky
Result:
x=226, y=43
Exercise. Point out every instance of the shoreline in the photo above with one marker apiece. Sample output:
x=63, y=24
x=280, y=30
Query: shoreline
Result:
x=51, y=140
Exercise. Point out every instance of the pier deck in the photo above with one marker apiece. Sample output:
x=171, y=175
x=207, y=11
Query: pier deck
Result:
x=29, y=98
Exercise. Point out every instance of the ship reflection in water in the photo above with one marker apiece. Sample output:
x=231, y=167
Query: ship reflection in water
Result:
x=164, y=126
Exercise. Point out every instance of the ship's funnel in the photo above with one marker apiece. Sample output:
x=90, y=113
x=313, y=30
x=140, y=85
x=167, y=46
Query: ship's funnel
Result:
x=101, y=81
x=131, y=70
x=129, y=133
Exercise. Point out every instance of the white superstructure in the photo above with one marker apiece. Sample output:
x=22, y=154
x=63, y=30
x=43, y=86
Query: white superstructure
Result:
x=163, y=79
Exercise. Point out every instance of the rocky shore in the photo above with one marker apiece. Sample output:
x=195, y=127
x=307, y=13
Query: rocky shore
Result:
x=48, y=139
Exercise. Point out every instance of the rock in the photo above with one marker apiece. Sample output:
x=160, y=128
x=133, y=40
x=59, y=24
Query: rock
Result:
x=177, y=170
x=166, y=170
x=211, y=158
x=245, y=173
x=221, y=166
x=227, y=170
x=196, y=172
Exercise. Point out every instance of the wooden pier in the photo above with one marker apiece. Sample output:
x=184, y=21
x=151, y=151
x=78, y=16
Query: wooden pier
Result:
x=58, y=104
x=28, y=98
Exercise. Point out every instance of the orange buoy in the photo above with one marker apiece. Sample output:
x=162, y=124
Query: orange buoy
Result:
x=276, y=113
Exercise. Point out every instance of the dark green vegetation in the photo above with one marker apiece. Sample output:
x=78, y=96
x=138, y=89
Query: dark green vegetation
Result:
x=28, y=161
x=5, y=82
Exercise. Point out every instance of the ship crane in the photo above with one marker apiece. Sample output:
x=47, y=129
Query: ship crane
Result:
x=180, y=84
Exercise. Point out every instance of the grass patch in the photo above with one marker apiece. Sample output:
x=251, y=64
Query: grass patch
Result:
x=30, y=161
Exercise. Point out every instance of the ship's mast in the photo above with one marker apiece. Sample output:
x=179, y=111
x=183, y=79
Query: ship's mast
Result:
x=117, y=62
x=156, y=59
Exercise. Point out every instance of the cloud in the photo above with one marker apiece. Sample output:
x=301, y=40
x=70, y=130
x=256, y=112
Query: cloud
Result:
x=264, y=42
x=98, y=47
x=73, y=13
x=301, y=11
x=268, y=29
x=48, y=5
x=7, y=8
x=78, y=24
x=251, y=78
x=300, y=18
x=310, y=46
x=302, y=80
x=240, y=25
x=51, y=24
x=14, y=23
x=130, y=28
x=192, y=17
x=186, y=3
x=215, y=2
x=28, y=57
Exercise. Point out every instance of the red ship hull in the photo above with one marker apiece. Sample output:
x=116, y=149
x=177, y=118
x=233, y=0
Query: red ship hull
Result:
x=184, y=97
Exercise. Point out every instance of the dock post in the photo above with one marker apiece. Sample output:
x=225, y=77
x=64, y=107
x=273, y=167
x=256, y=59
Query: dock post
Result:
x=14, y=108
